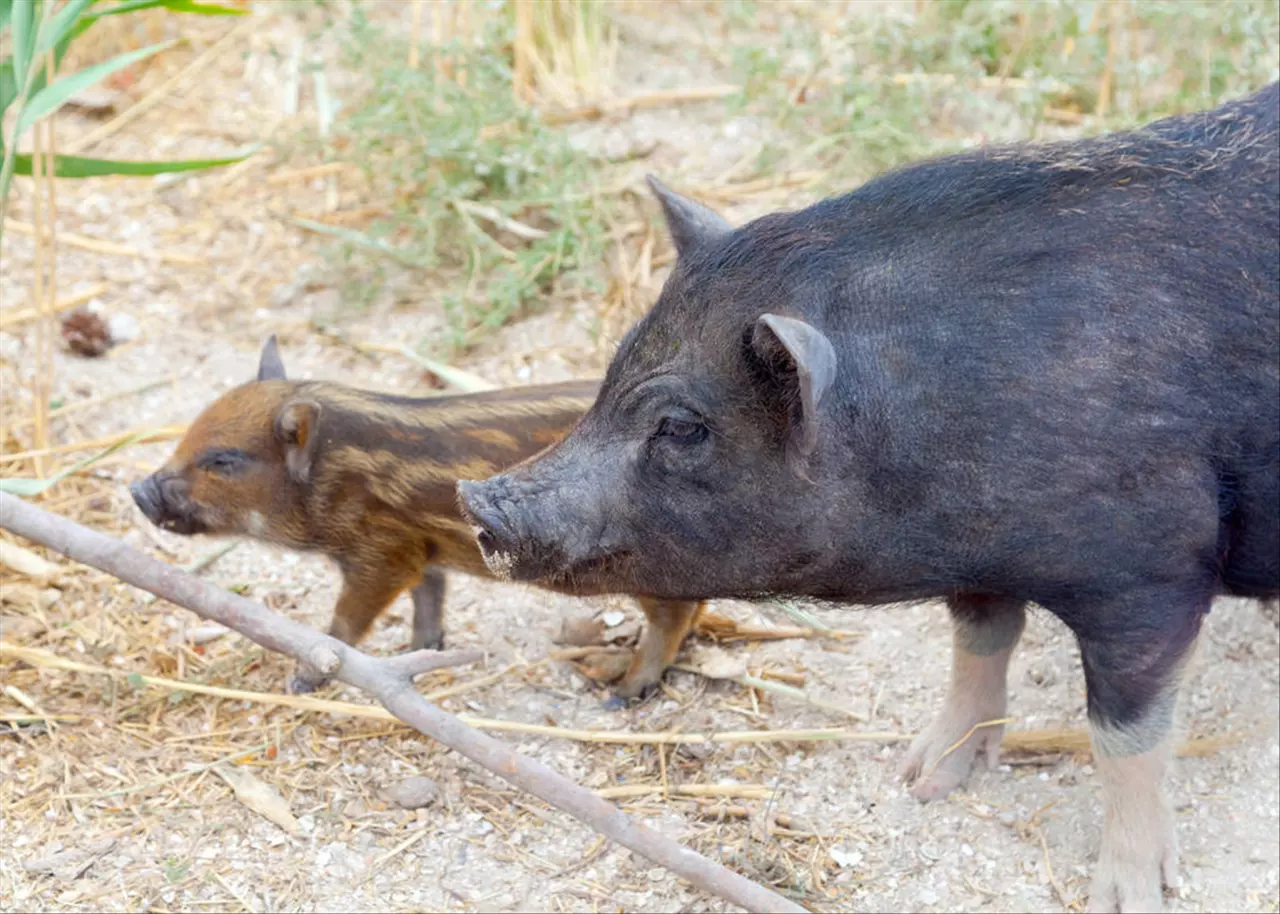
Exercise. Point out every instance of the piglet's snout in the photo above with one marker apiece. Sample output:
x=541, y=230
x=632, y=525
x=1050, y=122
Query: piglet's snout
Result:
x=148, y=497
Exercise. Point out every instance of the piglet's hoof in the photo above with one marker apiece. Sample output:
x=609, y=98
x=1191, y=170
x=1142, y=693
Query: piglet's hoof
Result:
x=427, y=644
x=624, y=695
x=302, y=684
x=623, y=698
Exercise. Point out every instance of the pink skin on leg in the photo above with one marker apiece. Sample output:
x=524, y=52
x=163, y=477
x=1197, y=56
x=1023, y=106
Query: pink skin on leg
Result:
x=984, y=637
x=1139, y=844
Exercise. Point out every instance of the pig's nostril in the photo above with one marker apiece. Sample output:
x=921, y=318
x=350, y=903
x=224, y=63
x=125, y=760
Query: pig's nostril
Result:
x=486, y=540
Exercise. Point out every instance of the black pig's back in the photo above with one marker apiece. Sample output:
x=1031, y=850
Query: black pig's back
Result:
x=1061, y=363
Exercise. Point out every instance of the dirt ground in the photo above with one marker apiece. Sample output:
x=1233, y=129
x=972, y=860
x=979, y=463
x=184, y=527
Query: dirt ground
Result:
x=122, y=781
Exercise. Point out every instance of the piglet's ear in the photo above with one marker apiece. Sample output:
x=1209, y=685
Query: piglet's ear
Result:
x=270, y=368
x=297, y=428
x=803, y=361
x=690, y=223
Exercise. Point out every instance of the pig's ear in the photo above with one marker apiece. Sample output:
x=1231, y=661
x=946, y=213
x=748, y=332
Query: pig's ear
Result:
x=297, y=428
x=807, y=363
x=690, y=223
x=270, y=368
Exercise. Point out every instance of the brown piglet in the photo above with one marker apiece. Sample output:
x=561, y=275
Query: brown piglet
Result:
x=368, y=479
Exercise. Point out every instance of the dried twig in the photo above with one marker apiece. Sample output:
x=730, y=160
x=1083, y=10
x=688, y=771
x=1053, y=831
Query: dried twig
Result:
x=390, y=680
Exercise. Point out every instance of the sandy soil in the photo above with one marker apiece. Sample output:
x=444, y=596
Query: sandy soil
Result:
x=862, y=844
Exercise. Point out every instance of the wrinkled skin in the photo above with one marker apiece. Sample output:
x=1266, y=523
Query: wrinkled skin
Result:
x=1041, y=374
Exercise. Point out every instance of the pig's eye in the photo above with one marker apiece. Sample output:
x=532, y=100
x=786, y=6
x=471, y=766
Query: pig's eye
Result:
x=225, y=462
x=682, y=431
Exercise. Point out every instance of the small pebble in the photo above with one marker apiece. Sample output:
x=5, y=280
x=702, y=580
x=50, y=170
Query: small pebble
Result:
x=413, y=792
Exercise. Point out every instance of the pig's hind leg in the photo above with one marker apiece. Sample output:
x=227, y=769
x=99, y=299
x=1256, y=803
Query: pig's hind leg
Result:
x=428, y=611
x=985, y=632
x=1132, y=679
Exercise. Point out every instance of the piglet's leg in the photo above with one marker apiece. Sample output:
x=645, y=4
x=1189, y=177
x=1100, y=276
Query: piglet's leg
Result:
x=1133, y=685
x=984, y=635
x=428, y=611
x=363, y=599
x=666, y=624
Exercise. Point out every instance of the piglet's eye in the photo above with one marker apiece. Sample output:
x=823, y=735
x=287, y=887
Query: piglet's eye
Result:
x=224, y=463
x=681, y=430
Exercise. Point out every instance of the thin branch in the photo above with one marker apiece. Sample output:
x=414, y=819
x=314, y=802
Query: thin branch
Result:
x=388, y=683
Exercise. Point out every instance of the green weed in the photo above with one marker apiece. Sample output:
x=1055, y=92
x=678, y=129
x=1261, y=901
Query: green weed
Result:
x=471, y=180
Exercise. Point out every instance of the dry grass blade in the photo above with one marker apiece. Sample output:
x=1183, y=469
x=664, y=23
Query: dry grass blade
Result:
x=110, y=442
x=238, y=755
x=162, y=91
x=22, y=316
x=97, y=246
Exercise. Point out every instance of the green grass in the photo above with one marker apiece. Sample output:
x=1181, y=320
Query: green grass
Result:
x=443, y=156
x=882, y=85
x=890, y=86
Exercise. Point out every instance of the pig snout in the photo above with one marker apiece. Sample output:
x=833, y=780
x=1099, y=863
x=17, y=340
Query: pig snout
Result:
x=162, y=497
x=497, y=536
x=148, y=497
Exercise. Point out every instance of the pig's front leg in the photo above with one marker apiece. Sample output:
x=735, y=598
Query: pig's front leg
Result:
x=1133, y=681
x=985, y=632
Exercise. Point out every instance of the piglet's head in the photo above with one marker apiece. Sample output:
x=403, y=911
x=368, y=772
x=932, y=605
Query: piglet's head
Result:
x=241, y=466
x=693, y=474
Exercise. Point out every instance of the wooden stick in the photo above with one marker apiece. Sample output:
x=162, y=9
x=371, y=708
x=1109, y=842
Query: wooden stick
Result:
x=389, y=679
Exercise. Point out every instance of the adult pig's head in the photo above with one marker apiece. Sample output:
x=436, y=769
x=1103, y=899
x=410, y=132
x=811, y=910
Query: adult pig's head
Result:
x=693, y=474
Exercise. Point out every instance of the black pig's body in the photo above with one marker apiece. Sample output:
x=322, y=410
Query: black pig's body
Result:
x=1054, y=376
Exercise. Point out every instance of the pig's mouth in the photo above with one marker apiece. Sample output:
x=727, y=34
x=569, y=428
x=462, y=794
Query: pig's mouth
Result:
x=185, y=526
x=152, y=501
x=512, y=556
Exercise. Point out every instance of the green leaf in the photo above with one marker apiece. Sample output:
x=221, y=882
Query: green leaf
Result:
x=78, y=167
x=26, y=487
x=173, y=6
x=53, y=97
x=22, y=14
x=60, y=25
x=6, y=12
x=8, y=86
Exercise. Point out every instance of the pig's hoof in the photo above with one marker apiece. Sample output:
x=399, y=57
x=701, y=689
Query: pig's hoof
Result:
x=935, y=765
x=1131, y=869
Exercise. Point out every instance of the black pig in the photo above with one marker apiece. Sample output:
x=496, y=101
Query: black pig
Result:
x=1048, y=374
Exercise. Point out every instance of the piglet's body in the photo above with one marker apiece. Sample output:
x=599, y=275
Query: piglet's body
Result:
x=368, y=479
